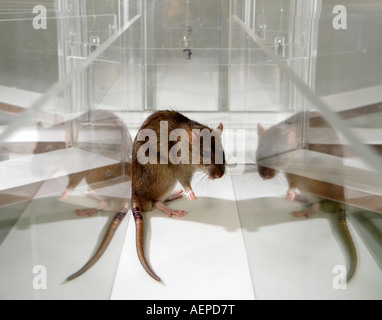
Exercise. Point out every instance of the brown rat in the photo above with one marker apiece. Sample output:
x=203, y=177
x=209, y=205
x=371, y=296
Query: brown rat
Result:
x=287, y=136
x=158, y=164
x=153, y=182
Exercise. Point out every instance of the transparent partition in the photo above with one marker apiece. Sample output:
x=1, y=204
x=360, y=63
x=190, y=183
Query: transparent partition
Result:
x=9, y=6
x=67, y=155
x=256, y=83
x=323, y=144
x=31, y=62
x=187, y=54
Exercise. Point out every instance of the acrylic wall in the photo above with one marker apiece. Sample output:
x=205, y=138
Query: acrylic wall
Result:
x=63, y=128
x=337, y=74
x=241, y=62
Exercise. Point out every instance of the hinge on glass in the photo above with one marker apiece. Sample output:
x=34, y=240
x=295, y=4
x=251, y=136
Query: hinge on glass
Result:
x=280, y=46
x=94, y=43
x=261, y=31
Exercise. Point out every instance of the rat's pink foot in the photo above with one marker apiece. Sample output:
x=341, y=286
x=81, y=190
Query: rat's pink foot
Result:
x=170, y=212
x=86, y=212
x=301, y=214
x=191, y=195
x=177, y=194
x=66, y=194
x=308, y=212
x=177, y=213
x=91, y=211
x=291, y=195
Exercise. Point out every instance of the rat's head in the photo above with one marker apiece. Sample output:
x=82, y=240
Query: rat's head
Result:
x=272, y=143
x=207, y=151
x=45, y=145
x=267, y=173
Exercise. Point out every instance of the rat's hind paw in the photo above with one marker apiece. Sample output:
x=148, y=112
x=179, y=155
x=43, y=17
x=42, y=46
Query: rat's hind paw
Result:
x=86, y=212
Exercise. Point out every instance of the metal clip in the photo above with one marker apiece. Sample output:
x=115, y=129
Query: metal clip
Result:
x=280, y=46
x=94, y=43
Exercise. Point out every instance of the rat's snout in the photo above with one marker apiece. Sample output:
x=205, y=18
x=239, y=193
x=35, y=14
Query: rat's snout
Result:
x=216, y=172
x=266, y=173
x=216, y=176
x=219, y=175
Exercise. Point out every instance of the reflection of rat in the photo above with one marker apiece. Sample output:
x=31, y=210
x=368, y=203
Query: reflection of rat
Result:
x=154, y=180
x=110, y=203
x=286, y=136
x=105, y=134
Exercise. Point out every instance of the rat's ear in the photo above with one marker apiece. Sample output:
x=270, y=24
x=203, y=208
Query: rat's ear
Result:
x=219, y=129
x=260, y=130
x=192, y=137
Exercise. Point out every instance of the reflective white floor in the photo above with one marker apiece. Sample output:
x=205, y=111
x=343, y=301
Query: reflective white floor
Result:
x=47, y=232
x=239, y=240
x=292, y=258
x=199, y=256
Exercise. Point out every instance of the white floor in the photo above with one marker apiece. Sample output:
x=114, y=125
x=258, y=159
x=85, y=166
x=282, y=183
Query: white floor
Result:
x=239, y=240
x=292, y=258
x=199, y=256
x=47, y=233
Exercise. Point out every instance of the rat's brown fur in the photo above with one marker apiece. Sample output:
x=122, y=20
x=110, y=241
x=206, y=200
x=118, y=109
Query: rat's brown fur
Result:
x=152, y=183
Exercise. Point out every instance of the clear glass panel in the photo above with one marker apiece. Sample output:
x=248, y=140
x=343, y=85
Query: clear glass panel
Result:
x=29, y=59
x=9, y=6
x=326, y=152
x=256, y=84
x=70, y=139
x=187, y=56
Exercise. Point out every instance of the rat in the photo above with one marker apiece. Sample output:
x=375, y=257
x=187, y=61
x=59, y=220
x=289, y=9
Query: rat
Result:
x=117, y=146
x=153, y=180
x=287, y=136
x=152, y=183
x=106, y=135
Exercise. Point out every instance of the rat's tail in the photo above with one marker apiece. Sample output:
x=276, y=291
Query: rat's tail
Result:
x=139, y=227
x=105, y=243
x=349, y=243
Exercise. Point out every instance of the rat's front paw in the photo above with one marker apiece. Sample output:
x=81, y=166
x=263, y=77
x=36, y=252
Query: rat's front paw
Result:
x=191, y=195
x=291, y=195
